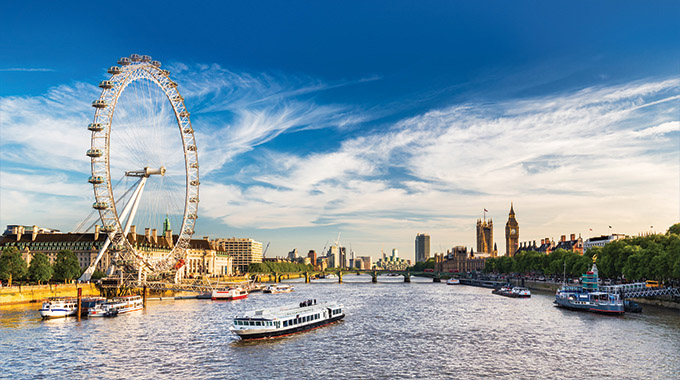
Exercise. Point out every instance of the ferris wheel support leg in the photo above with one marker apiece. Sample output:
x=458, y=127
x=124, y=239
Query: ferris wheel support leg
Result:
x=132, y=204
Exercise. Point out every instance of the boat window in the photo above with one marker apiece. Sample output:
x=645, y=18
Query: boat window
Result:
x=285, y=323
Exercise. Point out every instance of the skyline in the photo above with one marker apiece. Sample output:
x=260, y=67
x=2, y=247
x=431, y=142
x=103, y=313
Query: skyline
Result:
x=378, y=122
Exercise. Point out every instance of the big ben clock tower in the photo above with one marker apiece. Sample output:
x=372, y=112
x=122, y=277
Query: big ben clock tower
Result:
x=511, y=233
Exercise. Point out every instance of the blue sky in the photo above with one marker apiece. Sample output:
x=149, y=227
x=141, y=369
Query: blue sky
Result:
x=375, y=119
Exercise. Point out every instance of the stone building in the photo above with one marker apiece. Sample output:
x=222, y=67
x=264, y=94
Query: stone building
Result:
x=244, y=251
x=485, y=237
x=459, y=260
x=201, y=259
x=511, y=233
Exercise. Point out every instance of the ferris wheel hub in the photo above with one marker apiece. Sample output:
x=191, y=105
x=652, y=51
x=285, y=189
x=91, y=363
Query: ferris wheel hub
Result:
x=146, y=172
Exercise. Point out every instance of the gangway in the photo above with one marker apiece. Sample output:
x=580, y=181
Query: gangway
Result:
x=640, y=290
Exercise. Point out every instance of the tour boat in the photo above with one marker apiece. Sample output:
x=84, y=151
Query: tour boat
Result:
x=588, y=297
x=229, y=294
x=116, y=306
x=453, y=281
x=88, y=303
x=59, y=307
x=274, y=288
x=286, y=320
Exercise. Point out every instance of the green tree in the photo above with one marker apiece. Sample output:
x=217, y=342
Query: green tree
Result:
x=674, y=229
x=12, y=265
x=40, y=269
x=96, y=275
x=66, y=266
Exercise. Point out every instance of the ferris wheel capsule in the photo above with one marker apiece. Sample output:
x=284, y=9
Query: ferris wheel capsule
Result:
x=100, y=205
x=96, y=180
x=156, y=63
x=99, y=103
x=113, y=70
x=96, y=152
x=108, y=228
x=124, y=61
x=146, y=58
x=106, y=84
x=135, y=57
x=95, y=127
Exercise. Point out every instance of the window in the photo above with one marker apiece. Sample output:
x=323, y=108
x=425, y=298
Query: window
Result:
x=285, y=323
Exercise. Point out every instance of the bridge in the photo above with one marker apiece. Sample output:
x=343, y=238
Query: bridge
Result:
x=640, y=290
x=308, y=275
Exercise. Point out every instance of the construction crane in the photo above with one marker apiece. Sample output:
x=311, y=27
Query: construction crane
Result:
x=265, y=249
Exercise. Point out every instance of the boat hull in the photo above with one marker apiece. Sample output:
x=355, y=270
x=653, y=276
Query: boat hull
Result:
x=218, y=297
x=602, y=309
x=243, y=334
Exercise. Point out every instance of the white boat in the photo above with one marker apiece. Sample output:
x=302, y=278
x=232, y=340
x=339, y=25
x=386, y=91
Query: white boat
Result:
x=520, y=292
x=276, y=288
x=286, y=320
x=59, y=307
x=331, y=275
x=453, y=281
x=117, y=306
x=229, y=294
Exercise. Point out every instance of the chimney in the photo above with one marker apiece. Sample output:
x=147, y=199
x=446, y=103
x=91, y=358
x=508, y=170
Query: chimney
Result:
x=168, y=237
x=35, y=232
x=563, y=238
x=20, y=231
x=534, y=243
x=206, y=238
x=96, y=232
x=133, y=232
x=154, y=236
x=147, y=235
x=573, y=237
x=542, y=241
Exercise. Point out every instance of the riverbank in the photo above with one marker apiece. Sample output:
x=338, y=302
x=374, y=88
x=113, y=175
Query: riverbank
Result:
x=36, y=293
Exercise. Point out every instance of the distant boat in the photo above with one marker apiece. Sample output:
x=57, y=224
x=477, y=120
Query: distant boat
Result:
x=116, y=306
x=274, y=288
x=453, y=281
x=229, y=294
x=286, y=320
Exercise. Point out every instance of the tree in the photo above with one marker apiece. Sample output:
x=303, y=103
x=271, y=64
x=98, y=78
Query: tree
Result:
x=96, y=275
x=40, y=269
x=674, y=229
x=66, y=266
x=12, y=265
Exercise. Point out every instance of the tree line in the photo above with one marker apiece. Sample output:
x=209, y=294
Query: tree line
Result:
x=65, y=268
x=652, y=257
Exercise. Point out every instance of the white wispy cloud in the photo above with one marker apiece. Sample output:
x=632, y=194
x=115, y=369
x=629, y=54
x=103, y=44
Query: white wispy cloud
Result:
x=27, y=69
x=567, y=160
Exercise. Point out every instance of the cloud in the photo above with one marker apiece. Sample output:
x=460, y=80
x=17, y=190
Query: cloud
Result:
x=564, y=159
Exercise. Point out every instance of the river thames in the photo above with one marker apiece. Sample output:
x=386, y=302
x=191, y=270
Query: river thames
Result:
x=391, y=330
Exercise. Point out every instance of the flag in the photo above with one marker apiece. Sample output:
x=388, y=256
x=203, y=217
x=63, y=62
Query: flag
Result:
x=591, y=230
x=485, y=210
x=610, y=226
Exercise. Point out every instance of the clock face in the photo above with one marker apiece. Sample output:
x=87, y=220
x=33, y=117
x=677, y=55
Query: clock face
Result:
x=513, y=231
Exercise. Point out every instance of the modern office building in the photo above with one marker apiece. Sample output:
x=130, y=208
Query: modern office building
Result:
x=422, y=247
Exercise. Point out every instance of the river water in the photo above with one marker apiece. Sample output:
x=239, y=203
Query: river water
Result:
x=391, y=330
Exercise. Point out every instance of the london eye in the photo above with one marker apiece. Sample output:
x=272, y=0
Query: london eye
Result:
x=144, y=164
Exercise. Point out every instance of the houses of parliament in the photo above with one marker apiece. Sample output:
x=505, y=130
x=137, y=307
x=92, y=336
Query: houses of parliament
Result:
x=485, y=244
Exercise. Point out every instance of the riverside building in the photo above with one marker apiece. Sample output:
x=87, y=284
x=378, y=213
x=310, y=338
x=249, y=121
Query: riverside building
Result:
x=244, y=251
x=202, y=259
x=422, y=247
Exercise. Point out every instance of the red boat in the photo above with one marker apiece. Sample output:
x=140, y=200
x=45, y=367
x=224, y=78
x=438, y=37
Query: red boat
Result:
x=229, y=294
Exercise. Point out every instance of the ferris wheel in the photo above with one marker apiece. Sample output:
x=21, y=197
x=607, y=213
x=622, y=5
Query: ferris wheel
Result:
x=143, y=173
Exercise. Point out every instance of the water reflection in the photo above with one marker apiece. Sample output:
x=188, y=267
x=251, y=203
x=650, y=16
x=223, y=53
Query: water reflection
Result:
x=392, y=330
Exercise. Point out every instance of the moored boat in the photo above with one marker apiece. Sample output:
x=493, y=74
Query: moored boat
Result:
x=229, y=294
x=59, y=307
x=588, y=297
x=453, y=281
x=519, y=292
x=286, y=320
x=277, y=288
x=116, y=306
